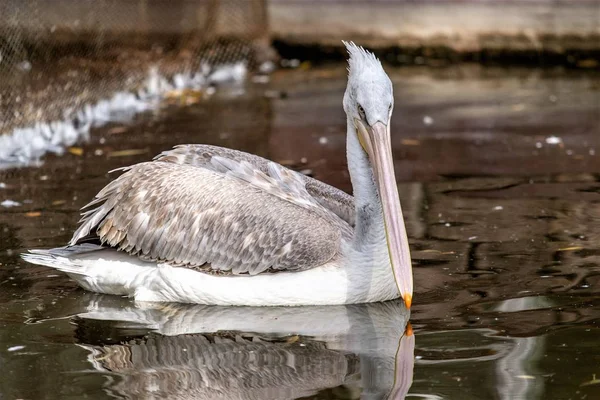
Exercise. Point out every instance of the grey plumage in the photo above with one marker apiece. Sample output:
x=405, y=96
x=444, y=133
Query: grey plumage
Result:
x=335, y=200
x=220, y=211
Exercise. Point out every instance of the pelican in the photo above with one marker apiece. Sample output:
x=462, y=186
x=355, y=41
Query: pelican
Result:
x=210, y=225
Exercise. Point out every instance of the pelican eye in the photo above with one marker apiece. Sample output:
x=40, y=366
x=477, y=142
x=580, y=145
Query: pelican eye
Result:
x=361, y=111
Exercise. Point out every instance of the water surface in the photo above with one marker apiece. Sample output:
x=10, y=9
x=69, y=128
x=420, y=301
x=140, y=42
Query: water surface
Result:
x=499, y=181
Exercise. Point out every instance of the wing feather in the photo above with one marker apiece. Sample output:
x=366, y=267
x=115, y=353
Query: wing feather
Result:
x=201, y=155
x=226, y=218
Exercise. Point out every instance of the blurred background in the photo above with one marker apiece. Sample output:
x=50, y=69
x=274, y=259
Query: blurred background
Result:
x=495, y=133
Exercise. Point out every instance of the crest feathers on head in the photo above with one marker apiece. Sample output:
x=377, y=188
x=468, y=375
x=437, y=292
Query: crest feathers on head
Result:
x=360, y=58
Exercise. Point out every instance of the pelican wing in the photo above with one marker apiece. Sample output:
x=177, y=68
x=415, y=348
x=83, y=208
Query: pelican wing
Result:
x=200, y=155
x=224, y=217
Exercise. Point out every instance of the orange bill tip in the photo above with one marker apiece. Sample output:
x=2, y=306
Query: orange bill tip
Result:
x=409, y=330
x=407, y=300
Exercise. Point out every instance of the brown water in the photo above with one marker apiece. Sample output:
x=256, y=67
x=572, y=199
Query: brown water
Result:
x=499, y=180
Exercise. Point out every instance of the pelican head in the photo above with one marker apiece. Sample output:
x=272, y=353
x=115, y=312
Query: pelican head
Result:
x=369, y=102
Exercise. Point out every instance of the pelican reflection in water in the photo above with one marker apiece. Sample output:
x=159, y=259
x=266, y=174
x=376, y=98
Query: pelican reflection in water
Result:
x=213, y=352
x=209, y=225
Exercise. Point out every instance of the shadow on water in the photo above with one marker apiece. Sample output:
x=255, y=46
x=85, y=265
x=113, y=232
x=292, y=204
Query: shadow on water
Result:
x=500, y=190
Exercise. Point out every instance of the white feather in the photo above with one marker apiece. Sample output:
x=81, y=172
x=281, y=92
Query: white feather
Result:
x=113, y=272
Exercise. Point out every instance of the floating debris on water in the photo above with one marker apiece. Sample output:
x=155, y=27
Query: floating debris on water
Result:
x=572, y=248
x=293, y=63
x=525, y=376
x=427, y=120
x=553, y=140
x=117, y=130
x=10, y=203
x=76, y=151
x=128, y=152
x=15, y=348
x=411, y=142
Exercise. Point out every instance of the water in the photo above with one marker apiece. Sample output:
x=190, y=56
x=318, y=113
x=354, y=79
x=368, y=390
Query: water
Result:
x=499, y=180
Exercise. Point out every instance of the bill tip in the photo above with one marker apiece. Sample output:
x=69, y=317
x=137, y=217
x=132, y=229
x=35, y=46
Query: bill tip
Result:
x=407, y=300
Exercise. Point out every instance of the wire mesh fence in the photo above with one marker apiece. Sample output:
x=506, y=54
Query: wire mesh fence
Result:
x=68, y=64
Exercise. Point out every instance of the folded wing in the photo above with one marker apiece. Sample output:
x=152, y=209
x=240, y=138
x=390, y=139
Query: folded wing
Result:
x=223, y=217
x=200, y=155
